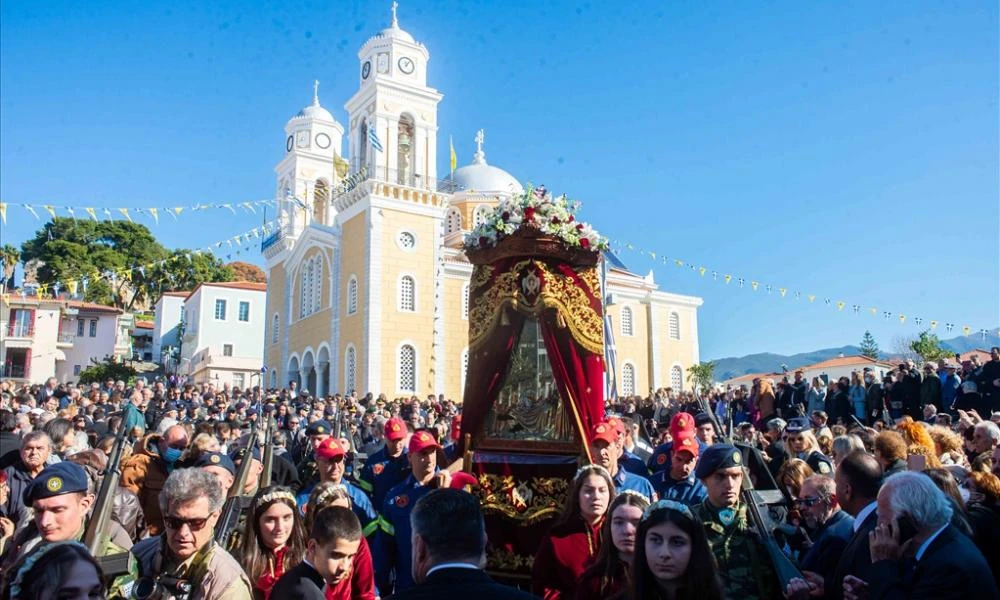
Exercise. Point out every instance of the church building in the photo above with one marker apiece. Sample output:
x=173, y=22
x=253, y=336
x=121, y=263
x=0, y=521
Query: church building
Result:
x=367, y=282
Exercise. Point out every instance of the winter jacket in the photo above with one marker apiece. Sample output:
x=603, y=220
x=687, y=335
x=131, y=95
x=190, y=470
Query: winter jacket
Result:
x=816, y=399
x=144, y=475
x=930, y=391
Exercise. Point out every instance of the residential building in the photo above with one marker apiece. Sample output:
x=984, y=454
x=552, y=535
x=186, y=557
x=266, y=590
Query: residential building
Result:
x=168, y=316
x=98, y=332
x=142, y=340
x=223, y=334
x=367, y=281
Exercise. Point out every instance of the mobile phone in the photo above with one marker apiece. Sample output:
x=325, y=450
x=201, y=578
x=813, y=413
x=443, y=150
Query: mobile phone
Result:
x=906, y=528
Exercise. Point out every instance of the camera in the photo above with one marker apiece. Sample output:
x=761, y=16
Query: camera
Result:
x=163, y=587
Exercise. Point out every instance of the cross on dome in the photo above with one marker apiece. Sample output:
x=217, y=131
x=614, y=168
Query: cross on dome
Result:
x=480, y=157
x=315, y=92
x=395, y=22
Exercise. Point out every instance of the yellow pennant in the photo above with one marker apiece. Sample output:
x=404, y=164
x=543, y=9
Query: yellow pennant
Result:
x=156, y=215
x=874, y=310
x=811, y=297
x=754, y=285
x=177, y=210
x=72, y=284
x=934, y=324
x=966, y=330
x=782, y=291
x=701, y=271
x=840, y=305
x=90, y=211
x=728, y=278
x=679, y=263
x=124, y=212
x=3, y=212
x=902, y=318
x=50, y=209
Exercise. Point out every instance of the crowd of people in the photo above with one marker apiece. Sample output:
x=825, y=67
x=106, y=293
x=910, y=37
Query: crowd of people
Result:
x=880, y=489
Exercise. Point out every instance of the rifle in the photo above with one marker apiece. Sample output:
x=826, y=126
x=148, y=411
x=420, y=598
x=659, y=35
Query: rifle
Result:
x=229, y=519
x=267, y=457
x=783, y=566
x=98, y=532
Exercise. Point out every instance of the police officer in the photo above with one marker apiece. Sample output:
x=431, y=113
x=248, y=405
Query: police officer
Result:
x=802, y=445
x=331, y=459
x=388, y=467
x=662, y=456
x=392, y=549
x=60, y=498
x=316, y=432
x=743, y=561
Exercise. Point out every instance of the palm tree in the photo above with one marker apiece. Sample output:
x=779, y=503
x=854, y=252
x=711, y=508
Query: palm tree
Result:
x=9, y=256
x=701, y=374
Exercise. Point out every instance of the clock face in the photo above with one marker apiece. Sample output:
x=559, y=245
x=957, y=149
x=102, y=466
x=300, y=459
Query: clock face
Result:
x=406, y=65
x=322, y=140
x=383, y=63
x=288, y=144
x=302, y=139
x=366, y=69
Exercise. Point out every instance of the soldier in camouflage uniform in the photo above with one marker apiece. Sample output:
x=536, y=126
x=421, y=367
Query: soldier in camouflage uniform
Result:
x=60, y=499
x=744, y=564
x=315, y=433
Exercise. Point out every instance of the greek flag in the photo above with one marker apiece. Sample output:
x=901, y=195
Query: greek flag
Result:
x=610, y=358
x=373, y=138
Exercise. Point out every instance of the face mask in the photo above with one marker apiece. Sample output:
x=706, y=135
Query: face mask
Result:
x=172, y=455
x=868, y=379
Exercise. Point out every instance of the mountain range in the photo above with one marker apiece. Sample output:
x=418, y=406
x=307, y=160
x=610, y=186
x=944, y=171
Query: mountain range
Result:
x=767, y=362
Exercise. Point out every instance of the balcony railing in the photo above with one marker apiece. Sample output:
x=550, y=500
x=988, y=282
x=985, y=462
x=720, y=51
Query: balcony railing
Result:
x=20, y=330
x=67, y=338
x=13, y=371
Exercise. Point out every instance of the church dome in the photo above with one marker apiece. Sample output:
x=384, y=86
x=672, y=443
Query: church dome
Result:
x=395, y=33
x=482, y=177
x=314, y=111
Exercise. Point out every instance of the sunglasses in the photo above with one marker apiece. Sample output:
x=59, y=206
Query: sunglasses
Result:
x=176, y=523
x=810, y=501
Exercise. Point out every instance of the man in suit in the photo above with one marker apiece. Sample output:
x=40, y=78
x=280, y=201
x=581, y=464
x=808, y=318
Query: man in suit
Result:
x=448, y=538
x=916, y=552
x=857, y=482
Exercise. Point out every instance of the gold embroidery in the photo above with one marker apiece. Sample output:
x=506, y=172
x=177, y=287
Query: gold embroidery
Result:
x=526, y=502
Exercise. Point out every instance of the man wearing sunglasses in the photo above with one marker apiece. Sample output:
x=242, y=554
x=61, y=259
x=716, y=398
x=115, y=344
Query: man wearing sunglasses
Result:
x=185, y=555
x=831, y=528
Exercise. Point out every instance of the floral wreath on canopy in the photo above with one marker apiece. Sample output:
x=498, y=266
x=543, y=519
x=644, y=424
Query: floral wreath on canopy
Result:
x=536, y=208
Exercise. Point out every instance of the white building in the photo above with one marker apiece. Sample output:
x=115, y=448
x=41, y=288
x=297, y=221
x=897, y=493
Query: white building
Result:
x=223, y=334
x=168, y=316
x=98, y=332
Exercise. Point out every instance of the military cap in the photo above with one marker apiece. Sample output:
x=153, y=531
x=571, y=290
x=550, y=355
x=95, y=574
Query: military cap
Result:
x=797, y=425
x=680, y=423
x=421, y=441
x=395, y=429
x=320, y=427
x=56, y=480
x=715, y=457
x=604, y=432
x=216, y=459
x=819, y=463
x=240, y=452
x=330, y=449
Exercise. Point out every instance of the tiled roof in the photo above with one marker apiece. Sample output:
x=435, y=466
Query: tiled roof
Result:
x=144, y=325
x=842, y=361
x=92, y=307
x=177, y=294
x=250, y=286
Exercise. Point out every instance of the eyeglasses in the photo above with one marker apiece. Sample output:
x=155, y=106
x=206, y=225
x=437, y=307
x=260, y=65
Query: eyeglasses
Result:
x=809, y=501
x=176, y=523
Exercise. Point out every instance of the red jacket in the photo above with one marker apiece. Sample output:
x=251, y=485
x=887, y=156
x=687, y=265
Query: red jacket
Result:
x=361, y=585
x=562, y=558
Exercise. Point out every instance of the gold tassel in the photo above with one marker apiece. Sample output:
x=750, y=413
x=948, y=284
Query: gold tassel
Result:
x=560, y=320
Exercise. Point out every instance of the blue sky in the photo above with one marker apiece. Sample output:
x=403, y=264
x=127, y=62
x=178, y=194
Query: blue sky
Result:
x=848, y=150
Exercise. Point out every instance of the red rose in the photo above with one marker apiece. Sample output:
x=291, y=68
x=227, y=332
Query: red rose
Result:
x=584, y=243
x=579, y=227
x=529, y=213
x=555, y=220
x=571, y=218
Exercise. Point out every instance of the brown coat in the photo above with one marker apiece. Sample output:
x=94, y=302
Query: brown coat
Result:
x=144, y=475
x=765, y=400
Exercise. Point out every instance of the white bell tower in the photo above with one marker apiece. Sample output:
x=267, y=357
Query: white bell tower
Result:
x=311, y=168
x=394, y=109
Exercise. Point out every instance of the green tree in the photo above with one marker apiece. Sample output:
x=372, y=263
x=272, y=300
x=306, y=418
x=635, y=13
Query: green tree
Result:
x=701, y=374
x=928, y=346
x=9, y=256
x=109, y=368
x=102, y=251
x=868, y=346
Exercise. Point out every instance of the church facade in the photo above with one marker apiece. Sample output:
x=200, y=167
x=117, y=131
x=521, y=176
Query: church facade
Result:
x=367, y=282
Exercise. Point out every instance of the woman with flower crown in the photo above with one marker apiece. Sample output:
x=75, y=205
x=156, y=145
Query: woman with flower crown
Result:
x=673, y=560
x=609, y=574
x=276, y=540
x=575, y=538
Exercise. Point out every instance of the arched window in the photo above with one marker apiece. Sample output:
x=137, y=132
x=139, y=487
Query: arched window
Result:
x=303, y=290
x=275, y=328
x=350, y=370
x=321, y=198
x=628, y=379
x=465, y=301
x=453, y=222
x=406, y=146
x=318, y=284
x=480, y=215
x=675, y=326
x=627, y=321
x=352, y=295
x=274, y=379
x=677, y=378
x=407, y=369
x=407, y=293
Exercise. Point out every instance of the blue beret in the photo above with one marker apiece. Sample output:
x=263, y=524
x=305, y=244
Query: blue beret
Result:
x=56, y=480
x=239, y=452
x=320, y=427
x=797, y=425
x=715, y=457
x=216, y=459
